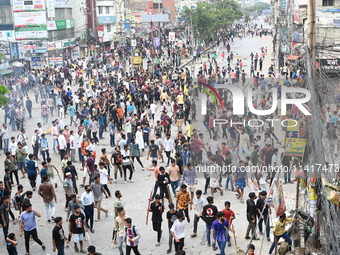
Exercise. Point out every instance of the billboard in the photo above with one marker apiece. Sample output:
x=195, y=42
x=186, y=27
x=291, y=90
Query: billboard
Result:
x=23, y=19
x=295, y=139
x=32, y=5
x=63, y=3
x=60, y=24
x=50, y=8
x=26, y=33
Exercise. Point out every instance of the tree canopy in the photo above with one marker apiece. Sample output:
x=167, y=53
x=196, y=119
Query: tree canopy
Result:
x=3, y=99
x=209, y=18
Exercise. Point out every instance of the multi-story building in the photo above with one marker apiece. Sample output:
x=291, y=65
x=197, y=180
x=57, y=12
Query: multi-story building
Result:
x=107, y=21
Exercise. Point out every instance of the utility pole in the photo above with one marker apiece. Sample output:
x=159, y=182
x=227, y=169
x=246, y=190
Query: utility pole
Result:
x=311, y=34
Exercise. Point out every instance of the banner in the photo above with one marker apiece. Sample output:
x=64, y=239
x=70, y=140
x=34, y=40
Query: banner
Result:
x=63, y=3
x=137, y=61
x=50, y=8
x=32, y=5
x=172, y=36
x=56, y=61
x=24, y=19
x=295, y=139
x=25, y=33
x=276, y=198
x=60, y=24
x=156, y=42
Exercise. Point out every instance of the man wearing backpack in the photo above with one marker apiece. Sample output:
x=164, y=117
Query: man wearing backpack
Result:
x=131, y=238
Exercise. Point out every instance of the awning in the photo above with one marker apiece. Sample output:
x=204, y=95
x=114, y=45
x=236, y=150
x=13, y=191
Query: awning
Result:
x=17, y=64
x=292, y=57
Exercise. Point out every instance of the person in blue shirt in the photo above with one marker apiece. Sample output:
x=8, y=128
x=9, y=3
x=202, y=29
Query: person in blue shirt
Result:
x=44, y=147
x=32, y=170
x=219, y=231
x=335, y=118
x=146, y=134
x=43, y=171
x=71, y=112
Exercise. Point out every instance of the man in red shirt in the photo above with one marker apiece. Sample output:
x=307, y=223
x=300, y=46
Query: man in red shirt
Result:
x=229, y=216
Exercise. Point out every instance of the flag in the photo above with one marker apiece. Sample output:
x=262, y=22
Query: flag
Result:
x=276, y=198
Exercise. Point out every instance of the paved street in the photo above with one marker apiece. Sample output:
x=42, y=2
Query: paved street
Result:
x=135, y=194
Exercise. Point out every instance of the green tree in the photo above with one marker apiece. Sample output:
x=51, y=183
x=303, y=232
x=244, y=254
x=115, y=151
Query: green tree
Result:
x=207, y=19
x=3, y=99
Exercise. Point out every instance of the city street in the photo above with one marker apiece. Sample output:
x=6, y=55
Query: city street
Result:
x=135, y=195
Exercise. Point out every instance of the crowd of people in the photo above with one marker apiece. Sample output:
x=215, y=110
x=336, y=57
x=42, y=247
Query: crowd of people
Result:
x=151, y=120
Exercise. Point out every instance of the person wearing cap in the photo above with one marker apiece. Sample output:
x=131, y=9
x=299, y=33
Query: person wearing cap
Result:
x=280, y=231
x=251, y=216
x=58, y=237
x=76, y=229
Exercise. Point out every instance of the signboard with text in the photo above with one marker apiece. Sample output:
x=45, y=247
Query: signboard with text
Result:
x=24, y=19
x=32, y=5
x=328, y=65
x=63, y=3
x=60, y=24
x=25, y=33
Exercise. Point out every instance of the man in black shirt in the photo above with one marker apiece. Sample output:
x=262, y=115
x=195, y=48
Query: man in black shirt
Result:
x=4, y=215
x=251, y=216
x=209, y=215
x=157, y=209
x=76, y=228
x=263, y=213
x=171, y=215
x=179, y=162
x=58, y=236
x=163, y=180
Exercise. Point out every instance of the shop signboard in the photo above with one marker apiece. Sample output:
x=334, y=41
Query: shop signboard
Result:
x=24, y=19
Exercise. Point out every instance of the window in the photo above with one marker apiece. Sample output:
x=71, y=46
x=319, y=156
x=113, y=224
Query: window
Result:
x=157, y=5
x=107, y=10
x=100, y=9
x=108, y=28
x=327, y=2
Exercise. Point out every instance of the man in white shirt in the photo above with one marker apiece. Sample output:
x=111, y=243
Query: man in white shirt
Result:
x=62, y=144
x=178, y=231
x=168, y=145
x=88, y=202
x=214, y=145
x=104, y=177
x=243, y=144
x=198, y=207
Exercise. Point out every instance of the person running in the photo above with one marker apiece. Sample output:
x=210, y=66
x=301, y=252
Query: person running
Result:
x=76, y=229
x=58, y=237
x=104, y=178
x=241, y=180
x=157, y=210
x=174, y=175
x=98, y=190
x=156, y=171
x=28, y=226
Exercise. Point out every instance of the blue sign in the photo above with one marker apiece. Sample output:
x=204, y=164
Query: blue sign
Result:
x=156, y=42
x=14, y=50
x=35, y=59
x=106, y=20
